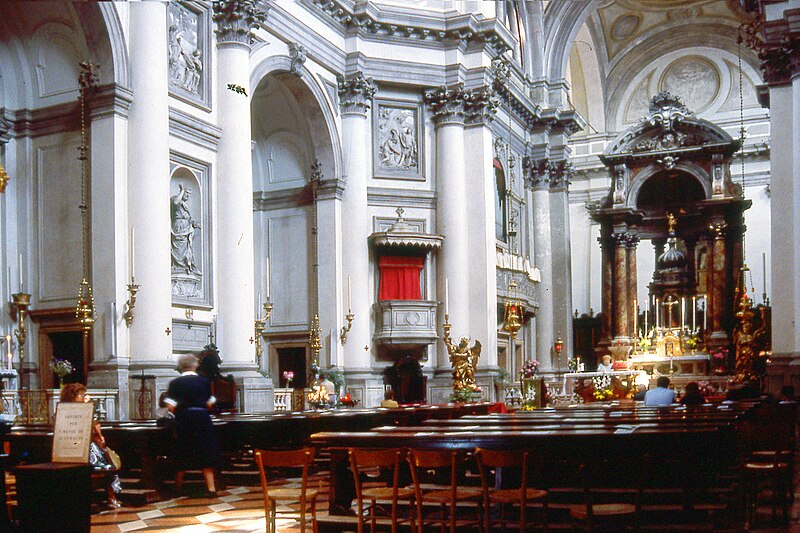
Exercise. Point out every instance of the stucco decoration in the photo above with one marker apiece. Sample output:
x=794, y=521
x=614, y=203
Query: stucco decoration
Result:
x=397, y=140
x=697, y=80
x=187, y=52
x=625, y=26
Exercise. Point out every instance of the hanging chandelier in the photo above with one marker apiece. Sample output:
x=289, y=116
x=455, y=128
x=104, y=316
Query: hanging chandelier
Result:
x=84, y=309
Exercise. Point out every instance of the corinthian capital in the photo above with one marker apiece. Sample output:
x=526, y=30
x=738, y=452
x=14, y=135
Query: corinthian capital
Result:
x=236, y=20
x=480, y=105
x=447, y=104
x=561, y=175
x=355, y=93
x=537, y=172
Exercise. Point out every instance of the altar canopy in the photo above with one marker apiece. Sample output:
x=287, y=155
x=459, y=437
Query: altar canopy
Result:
x=671, y=184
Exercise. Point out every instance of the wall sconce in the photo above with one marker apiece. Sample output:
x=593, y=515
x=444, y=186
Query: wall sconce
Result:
x=345, y=329
x=260, y=326
x=133, y=288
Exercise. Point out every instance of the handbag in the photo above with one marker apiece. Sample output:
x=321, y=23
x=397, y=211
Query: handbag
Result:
x=114, y=459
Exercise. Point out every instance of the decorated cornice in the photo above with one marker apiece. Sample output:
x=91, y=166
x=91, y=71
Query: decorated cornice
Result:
x=355, y=93
x=6, y=126
x=447, y=104
x=370, y=20
x=777, y=43
x=237, y=19
x=512, y=95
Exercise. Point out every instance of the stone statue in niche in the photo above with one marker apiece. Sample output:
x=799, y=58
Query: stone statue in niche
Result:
x=185, y=55
x=397, y=131
x=183, y=229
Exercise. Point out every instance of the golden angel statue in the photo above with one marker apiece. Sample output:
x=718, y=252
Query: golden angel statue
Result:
x=464, y=360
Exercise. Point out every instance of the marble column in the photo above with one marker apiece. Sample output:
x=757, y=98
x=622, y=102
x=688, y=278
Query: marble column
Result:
x=539, y=183
x=620, y=286
x=447, y=107
x=633, y=241
x=718, y=285
x=355, y=95
x=234, y=204
x=607, y=266
x=561, y=246
x=148, y=191
x=480, y=108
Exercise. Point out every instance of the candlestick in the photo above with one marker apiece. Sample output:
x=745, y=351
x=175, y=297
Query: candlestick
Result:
x=10, y=355
x=267, y=277
x=446, y=297
x=258, y=308
x=705, y=312
x=694, y=313
x=645, y=322
x=683, y=312
x=635, y=315
x=349, y=294
x=658, y=314
x=21, y=284
x=131, y=253
x=764, y=272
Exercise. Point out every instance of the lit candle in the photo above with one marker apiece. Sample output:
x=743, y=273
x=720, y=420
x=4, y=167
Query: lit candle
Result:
x=132, y=246
x=645, y=322
x=21, y=284
x=349, y=294
x=683, y=312
x=267, y=277
x=764, y=270
x=694, y=313
x=705, y=312
x=10, y=355
x=635, y=315
x=446, y=297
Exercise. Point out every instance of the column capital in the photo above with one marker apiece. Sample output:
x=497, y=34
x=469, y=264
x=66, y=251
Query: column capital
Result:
x=6, y=128
x=447, y=104
x=717, y=230
x=633, y=240
x=561, y=176
x=236, y=20
x=620, y=239
x=355, y=94
x=480, y=106
x=537, y=172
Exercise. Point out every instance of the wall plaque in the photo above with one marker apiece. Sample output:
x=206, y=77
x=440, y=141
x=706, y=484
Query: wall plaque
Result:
x=397, y=141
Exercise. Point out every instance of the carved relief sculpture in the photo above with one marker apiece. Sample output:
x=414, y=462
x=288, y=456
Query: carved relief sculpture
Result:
x=185, y=50
x=397, y=138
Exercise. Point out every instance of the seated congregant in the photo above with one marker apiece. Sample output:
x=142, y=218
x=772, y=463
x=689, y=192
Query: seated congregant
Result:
x=388, y=401
x=661, y=395
x=692, y=395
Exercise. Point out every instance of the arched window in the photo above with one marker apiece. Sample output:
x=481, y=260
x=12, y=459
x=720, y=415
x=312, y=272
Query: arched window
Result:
x=499, y=202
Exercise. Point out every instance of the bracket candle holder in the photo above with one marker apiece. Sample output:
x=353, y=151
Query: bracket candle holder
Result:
x=345, y=329
x=133, y=289
x=21, y=301
x=260, y=326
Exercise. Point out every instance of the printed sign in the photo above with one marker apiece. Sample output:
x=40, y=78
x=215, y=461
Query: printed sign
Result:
x=73, y=432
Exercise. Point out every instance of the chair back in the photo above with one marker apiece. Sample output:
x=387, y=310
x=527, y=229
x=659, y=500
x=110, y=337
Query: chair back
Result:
x=224, y=390
x=436, y=466
x=284, y=459
x=368, y=459
x=490, y=460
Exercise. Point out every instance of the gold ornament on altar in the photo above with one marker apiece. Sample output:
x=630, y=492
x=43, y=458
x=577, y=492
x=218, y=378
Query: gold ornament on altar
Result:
x=463, y=359
x=513, y=311
x=744, y=338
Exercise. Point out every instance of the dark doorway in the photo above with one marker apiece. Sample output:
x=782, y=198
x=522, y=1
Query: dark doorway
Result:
x=292, y=360
x=407, y=381
x=68, y=345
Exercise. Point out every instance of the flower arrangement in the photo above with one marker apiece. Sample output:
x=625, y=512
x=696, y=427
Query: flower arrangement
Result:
x=645, y=343
x=464, y=396
x=719, y=358
x=691, y=342
x=61, y=368
x=288, y=375
x=347, y=401
x=314, y=369
x=318, y=396
x=707, y=388
x=529, y=369
x=602, y=388
x=572, y=364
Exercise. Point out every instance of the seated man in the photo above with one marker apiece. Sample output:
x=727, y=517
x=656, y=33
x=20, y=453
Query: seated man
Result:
x=661, y=395
x=388, y=401
x=605, y=365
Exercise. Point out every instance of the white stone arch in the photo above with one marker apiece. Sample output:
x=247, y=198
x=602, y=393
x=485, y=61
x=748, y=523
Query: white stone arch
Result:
x=288, y=148
x=688, y=167
x=326, y=141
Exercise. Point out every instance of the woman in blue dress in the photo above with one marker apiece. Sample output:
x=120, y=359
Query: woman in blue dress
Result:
x=189, y=398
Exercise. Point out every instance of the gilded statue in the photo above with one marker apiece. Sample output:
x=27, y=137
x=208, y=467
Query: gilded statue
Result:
x=743, y=339
x=464, y=360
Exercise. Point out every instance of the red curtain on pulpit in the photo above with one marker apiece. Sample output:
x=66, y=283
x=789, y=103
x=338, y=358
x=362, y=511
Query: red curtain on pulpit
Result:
x=400, y=278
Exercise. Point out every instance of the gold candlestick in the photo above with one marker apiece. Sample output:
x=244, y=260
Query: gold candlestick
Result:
x=21, y=302
x=131, y=303
x=260, y=327
x=315, y=337
x=345, y=329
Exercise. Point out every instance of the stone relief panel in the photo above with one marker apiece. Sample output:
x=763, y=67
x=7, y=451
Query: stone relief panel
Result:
x=397, y=140
x=695, y=79
x=188, y=52
x=190, y=233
